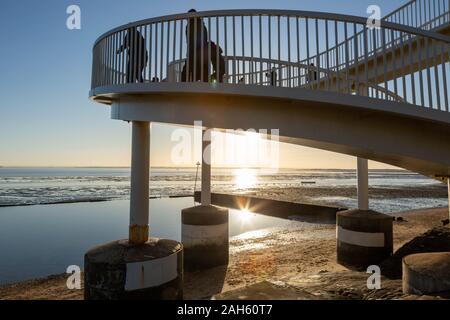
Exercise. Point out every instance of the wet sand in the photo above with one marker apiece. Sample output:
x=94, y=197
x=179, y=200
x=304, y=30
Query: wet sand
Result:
x=313, y=194
x=301, y=255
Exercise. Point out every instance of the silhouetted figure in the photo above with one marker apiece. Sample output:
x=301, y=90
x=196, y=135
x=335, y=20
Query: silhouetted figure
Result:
x=137, y=55
x=218, y=69
x=197, y=39
x=272, y=76
x=312, y=74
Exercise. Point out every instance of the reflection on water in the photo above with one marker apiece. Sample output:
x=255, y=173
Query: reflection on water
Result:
x=42, y=240
x=246, y=217
x=245, y=178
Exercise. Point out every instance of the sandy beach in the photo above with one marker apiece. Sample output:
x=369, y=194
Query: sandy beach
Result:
x=300, y=257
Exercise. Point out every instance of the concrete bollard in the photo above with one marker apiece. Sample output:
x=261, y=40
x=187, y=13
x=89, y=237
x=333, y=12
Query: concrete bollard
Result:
x=122, y=271
x=205, y=237
x=364, y=238
x=426, y=273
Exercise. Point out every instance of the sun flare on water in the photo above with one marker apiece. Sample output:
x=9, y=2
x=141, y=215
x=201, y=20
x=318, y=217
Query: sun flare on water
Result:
x=245, y=216
x=244, y=178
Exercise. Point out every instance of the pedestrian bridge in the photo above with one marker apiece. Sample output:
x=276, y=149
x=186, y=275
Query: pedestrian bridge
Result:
x=326, y=81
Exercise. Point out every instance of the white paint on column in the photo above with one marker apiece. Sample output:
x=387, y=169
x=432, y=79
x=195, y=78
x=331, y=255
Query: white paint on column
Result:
x=153, y=273
x=206, y=168
x=204, y=235
x=363, y=184
x=140, y=171
x=362, y=239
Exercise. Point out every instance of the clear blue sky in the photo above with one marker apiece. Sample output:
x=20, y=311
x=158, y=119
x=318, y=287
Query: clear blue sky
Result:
x=46, y=118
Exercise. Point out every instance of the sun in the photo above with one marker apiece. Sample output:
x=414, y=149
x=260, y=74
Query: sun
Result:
x=244, y=178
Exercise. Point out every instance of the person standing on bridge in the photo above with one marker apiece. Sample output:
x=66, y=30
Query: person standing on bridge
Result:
x=272, y=76
x=137, y=55
x=312, y=73
x=197, y=38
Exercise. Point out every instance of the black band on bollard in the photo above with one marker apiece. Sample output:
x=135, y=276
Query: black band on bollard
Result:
x=205, y=237
x=364, y=238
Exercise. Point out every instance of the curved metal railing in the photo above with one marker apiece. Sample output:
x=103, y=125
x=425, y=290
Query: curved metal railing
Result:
x=422, y=14
x=291, y=49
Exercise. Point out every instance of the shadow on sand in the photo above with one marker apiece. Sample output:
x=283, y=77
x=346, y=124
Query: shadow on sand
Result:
x=203, y=285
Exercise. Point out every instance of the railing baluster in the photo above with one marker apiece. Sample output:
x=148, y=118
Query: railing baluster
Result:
x=336, y=40
x=243, y=46
x=270, y=44
x=234, y=50
x=181, y=52
x=134, y=51
x=412, y=73
x=444, y=74
x=217, y=49
x=356, y=59
x=394, y=63
x=167, y=50
x=261, y=76
x=209, y=48
x=202, y=48
x=252, y=70
x=161, y=63
x=402, y=53
x=428, y=67
x=150, y=54
x=139, y=53
x=366, y=62
x=104, y=61
x=317, y=72
x=308, y=63
x=347, y=59
x=298, y=50
x=375, y=62
x=226, y=45
x=194, y=46
x=114, y=57
x=419, y=52
x=289, y=50
x=174, y=49
x=327, y=55
x=436, y=75
x=188, y=53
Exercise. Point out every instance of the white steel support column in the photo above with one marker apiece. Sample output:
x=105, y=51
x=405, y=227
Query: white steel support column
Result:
x=363, y=184
x=206, y=168
x=140, y=176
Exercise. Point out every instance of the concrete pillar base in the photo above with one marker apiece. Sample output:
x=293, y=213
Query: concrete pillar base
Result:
x=122, y=271
x=205, y=237
x=426, y=273
x=364, y=238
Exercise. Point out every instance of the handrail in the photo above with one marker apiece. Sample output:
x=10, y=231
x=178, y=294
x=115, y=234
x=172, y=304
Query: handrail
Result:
x=293, y=49
x=421, y=13
x=271, y=13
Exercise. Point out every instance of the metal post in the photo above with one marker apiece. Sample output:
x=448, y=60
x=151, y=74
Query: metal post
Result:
x=140, y=175
x=363, y=184
x=206, y=168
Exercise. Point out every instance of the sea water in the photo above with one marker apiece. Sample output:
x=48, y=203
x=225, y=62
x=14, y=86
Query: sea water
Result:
x=48, y=220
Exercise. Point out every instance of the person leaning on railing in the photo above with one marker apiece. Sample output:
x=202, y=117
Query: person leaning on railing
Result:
x=219, y=68
x=137, y=55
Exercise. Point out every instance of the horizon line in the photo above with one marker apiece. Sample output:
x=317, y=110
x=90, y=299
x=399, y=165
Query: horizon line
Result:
x=182, y=167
